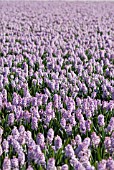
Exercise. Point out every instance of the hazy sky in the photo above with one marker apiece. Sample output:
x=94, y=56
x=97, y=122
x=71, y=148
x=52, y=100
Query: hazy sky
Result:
x=59, y=0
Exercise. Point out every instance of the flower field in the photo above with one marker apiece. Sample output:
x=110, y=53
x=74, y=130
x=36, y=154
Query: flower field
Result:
x=56, y=85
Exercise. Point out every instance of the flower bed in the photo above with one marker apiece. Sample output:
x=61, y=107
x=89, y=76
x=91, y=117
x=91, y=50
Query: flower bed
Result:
x=56, y=85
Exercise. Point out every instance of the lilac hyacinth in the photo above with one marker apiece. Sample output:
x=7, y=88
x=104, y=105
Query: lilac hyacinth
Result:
x=40, y=139
x=83, y=127
x=70, y=106
x=41, y=159
x=101, y=120
x=16, y=145
x=50, y=135
x=34, y=101
x=36, y=150
x=95, y=139
x=28, y=136
x=31, y=149
x=64, y=167
x=79, y=166
x=29, y=167
x=21, y=129
x=14, y=162
x=78, y=139
x=5, y=146
x=21, y=158
x=79, y=115
x=26, y=115
x=15, y=133
x=102, y=165
x=6, y=164
x=88, y=124
x=51, y=164
x=110, y=127
x=21, y=139
x=107, y=143
x=110, y=163
x=78, y=101
x=86, y=142
x=73, y=161
x=45, y=99
x=49, y=107
x=84, y=154
x=89, y=167
x=112, y=142
x=69, y=152
x=58, y=142
x=11, y=119
x=55, y=101
x=72, y=120
x=68, y=129
x=34, y=123
x=63, y=122
x=88, y=114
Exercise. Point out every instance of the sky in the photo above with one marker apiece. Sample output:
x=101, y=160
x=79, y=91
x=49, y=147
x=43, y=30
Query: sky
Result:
x=61, y=0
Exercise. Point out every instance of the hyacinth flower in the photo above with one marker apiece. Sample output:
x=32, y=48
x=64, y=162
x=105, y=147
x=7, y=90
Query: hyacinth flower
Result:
x=29, y=167
x=14, y=163
x=101, y=120
x=5, y=146
x=69, y=152
x=50, y=135
x=95, y=139
x=64, y=167
x=51, y=164
x=6, y=164
x=40, y=140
